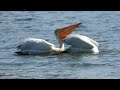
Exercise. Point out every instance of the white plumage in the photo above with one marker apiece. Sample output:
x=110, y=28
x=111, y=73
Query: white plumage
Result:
x=79, y=43
x=34, y=46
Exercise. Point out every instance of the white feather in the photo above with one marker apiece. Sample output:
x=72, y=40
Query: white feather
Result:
x=35, y=45
x=81, y=43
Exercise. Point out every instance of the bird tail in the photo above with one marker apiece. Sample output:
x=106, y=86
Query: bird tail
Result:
x=18, y=52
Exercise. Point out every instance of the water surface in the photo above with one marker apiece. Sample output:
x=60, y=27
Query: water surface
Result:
x=102, y=26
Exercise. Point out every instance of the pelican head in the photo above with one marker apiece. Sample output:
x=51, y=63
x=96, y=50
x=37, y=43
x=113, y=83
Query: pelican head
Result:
x=62, y=33
x=56, y=32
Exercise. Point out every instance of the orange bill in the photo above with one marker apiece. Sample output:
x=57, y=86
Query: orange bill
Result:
x=67, y=30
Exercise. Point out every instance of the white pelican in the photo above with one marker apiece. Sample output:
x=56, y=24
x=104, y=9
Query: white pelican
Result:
x=40, y=46
x=79, y=43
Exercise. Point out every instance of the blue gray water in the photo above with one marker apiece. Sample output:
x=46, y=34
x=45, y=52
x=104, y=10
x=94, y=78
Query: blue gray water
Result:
x=102, y=26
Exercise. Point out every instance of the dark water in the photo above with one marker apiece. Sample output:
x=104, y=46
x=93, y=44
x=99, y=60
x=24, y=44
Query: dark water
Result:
x=102, y=26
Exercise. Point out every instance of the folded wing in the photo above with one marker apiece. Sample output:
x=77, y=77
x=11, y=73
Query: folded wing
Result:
x=79, y=41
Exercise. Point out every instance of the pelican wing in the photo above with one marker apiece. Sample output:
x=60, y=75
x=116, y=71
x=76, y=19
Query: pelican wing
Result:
x=35, y=44
x=79, y=41
x=94, y=42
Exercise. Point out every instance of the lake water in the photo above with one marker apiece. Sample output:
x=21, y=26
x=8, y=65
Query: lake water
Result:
x=102, y=26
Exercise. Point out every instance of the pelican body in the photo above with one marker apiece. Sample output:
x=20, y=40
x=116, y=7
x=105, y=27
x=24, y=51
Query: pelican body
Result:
x=78, y=43
x=81, y=43
x=38, y=46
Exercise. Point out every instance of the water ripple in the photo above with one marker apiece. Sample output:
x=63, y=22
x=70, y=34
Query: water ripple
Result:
x=100, y=26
